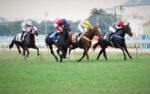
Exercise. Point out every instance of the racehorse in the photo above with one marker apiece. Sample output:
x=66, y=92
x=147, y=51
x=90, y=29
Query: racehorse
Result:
x=85, y=41
x=28, y=42
x=116, y=40
x=62, y=43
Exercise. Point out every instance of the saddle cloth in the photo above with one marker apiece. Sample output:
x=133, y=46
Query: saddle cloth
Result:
x=111, y=35
x=52, y=36
x=18, y=37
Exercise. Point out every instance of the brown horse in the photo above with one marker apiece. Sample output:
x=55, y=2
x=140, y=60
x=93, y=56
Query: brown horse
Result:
x=85, y=40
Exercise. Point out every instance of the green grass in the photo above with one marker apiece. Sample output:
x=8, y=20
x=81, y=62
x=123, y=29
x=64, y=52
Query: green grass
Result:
x=114, y=76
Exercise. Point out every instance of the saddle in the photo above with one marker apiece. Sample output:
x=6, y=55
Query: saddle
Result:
x=53, y=36
x=18, y=36
x=107, y=36
x=76, y=37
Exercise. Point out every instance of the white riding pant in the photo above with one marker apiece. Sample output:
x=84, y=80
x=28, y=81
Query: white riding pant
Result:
x=82, y=29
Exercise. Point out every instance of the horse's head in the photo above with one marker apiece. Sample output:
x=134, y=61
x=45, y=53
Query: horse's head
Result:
x=97, y=31
x=127, y=29
x=66, y=27
x=35, y=30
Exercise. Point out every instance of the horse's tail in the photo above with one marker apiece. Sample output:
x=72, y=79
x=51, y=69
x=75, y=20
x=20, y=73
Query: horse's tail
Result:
x=95, y=45
x=12, y=43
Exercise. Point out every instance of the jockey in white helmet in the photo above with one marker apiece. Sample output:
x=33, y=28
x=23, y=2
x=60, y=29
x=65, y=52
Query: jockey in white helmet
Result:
x=26, y=27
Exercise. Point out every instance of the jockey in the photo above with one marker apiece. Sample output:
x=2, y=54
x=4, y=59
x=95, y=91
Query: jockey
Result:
x=84, y=25
x=26, y=27
x=112, y=27
x=116, y=27
x=58, y=24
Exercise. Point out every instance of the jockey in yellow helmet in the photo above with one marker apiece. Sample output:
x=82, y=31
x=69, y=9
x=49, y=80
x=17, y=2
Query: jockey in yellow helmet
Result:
x=84, y=25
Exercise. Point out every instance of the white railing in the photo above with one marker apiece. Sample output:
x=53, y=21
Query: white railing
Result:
x=41, y=41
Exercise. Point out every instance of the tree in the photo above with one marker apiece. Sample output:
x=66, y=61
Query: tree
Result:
x=103, y=21
x=97, y=13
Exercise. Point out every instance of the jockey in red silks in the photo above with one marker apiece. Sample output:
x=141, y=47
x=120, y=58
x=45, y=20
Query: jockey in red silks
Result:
x=59, y=26
x=116, y=26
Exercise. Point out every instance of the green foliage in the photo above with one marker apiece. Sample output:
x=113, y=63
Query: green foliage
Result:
x=4, y=29
x=14, y=27
x=104, y=20
x=74, y=26
x=98, y=17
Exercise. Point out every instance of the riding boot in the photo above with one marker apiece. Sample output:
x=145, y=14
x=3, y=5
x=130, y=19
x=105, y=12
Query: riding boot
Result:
x=55, y=38
x=22, y=35
x=80, y=33
x=110, y=36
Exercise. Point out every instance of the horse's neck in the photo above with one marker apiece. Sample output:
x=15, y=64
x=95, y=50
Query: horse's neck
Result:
x=65, y=35
x=30, y=36
x=121, y=32
x=89, y=35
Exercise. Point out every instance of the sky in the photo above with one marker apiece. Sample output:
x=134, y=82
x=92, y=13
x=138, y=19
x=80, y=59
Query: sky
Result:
x=69, y=9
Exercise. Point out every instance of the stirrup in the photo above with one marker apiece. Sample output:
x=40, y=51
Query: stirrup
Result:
x=56, y=41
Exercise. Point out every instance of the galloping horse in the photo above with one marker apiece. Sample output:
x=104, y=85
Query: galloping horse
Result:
x=85, y=41
x=117, y=40
x=28, y=42
x=62, y=44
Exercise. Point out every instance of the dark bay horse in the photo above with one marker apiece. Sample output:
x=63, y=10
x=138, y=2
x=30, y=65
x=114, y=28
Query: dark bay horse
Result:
x=117, y=41
x=28, y=42
x=62, y=44
x=85, y=41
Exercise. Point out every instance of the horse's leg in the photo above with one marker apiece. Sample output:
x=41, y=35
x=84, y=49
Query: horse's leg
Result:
x=125, y=48
x=60, y=55
x=19, y=51
x=123, y=53
x=65, y=53
x=37, y=51
x=104, y=53
x=52, y=52
x=99, y=53
x=86, y=53
x=71, y=48
x=82, y=56
x=28, y=52
x=24, y=50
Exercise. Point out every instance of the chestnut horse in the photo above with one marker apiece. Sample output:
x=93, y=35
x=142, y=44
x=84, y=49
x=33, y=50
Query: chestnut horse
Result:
x=85, y=41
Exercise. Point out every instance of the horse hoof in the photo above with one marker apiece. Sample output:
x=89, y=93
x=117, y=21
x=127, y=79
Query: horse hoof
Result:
x=78, y=60
x=22, y=55
x=25, y=58
x=67, y=56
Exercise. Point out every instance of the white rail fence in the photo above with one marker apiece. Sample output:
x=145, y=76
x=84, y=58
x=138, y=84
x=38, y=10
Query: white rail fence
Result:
x=41, y=42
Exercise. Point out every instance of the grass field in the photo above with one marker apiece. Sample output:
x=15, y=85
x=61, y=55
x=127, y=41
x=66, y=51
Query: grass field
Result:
x=114, y=76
